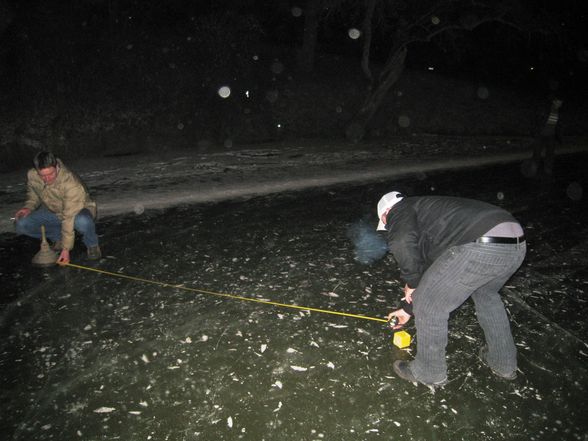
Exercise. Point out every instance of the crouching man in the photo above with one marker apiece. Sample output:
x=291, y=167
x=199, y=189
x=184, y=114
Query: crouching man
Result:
x=58, y=199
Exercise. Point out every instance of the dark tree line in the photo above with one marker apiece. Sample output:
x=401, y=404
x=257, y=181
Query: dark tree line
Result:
x=401, y=24
x=53, y=47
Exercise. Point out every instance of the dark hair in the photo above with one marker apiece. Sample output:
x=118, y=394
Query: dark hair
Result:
x=44, y=160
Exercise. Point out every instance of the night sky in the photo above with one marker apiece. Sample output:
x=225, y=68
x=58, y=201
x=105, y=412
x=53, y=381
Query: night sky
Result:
x=73, y=71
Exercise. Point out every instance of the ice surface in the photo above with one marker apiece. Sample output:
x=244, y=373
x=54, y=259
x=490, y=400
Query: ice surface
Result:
x=89, y=356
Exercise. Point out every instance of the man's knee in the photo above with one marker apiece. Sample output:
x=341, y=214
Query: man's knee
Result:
x=84, y=221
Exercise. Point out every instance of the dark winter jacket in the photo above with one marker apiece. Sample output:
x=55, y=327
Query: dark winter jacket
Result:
x=420, y=229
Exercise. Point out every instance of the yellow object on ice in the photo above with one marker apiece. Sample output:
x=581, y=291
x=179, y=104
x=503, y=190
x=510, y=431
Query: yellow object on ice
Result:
x=401, y=339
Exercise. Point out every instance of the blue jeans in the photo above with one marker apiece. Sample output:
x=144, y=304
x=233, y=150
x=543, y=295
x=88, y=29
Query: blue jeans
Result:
x=472, y=270
x=31, y=226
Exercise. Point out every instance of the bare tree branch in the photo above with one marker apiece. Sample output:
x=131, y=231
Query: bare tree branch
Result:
x=367, y=38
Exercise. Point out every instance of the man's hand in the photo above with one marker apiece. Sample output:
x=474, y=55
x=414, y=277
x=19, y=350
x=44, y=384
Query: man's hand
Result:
x=63, y=257
x=403, y=318
x=23, y=212
x=408, y=294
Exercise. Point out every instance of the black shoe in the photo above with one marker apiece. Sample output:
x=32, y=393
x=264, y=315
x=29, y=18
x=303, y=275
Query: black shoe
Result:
x=403, y=371
x=482, y=355
x=94, y=252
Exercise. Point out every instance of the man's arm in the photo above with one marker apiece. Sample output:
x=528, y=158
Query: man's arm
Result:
x=404, y=245
x=73, y=202
x=33, y=200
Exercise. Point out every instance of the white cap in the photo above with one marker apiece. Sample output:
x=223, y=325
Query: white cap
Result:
x=386, y=202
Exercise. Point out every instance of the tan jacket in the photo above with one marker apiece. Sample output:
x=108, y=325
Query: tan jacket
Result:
x=65, y=197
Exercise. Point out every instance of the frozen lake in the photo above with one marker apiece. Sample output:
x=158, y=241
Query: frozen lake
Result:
x=91, y=356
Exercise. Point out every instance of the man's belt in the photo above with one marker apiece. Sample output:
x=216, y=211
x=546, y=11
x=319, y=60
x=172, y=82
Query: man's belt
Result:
x=490, y=239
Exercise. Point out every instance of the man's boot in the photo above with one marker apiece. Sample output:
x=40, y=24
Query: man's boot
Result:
x=94, y=252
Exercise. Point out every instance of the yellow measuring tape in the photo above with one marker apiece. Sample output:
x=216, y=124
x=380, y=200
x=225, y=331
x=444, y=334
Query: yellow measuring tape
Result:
x=220, y=294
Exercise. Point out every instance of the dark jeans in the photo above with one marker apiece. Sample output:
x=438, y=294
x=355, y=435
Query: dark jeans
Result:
x=31, y=226
x=471, y=270
x=547, y=144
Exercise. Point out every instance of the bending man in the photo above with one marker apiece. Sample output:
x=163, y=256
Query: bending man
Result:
x=449, y=249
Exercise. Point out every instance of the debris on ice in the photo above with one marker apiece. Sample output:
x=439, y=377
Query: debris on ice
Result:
x=104, y=410
x=299, y=368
